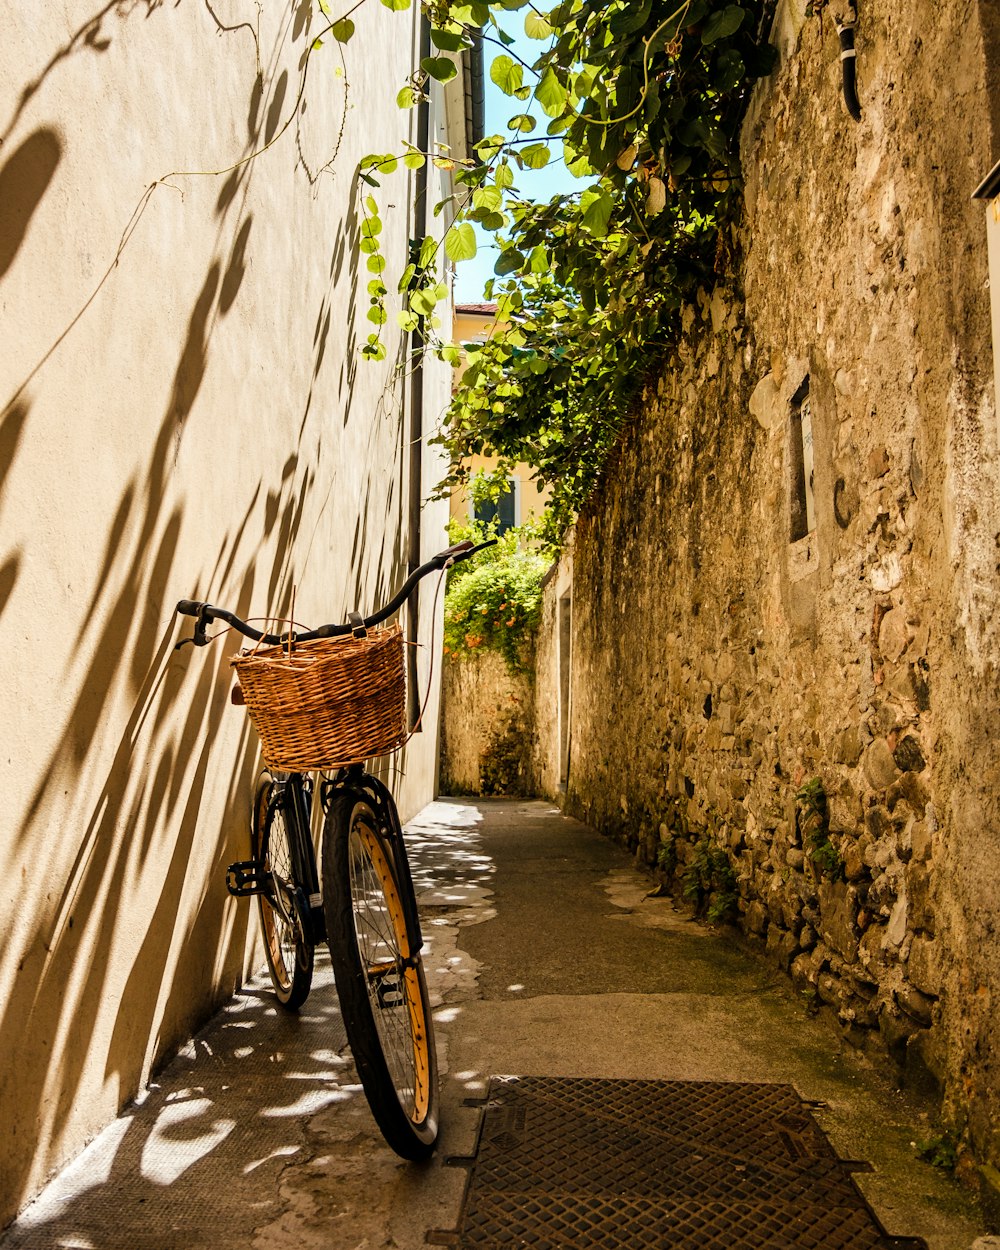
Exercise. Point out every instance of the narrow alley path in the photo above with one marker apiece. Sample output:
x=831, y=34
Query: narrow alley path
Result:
x=546, y=958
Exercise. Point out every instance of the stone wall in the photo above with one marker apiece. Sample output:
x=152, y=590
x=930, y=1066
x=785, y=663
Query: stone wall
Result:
x=487, y=727
x=788, y=705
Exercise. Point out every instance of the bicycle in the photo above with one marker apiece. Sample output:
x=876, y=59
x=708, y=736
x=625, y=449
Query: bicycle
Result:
x=365, y=908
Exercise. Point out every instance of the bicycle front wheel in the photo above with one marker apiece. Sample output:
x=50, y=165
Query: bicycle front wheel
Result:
x=380, y=981
x=289, y=955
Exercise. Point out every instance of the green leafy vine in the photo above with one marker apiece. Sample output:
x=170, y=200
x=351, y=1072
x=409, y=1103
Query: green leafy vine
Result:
x=642, y=101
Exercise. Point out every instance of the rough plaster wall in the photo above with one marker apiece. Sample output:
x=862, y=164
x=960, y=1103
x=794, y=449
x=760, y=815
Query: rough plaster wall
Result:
x=183, y=412
x=718, y=666
x=487, y=728
x=546, y=743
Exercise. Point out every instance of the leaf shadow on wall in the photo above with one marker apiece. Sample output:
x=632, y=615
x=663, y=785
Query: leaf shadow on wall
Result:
x=155, y=782
x=91, y=37
x=24, y=179
x=11, y=429
x=141, y=784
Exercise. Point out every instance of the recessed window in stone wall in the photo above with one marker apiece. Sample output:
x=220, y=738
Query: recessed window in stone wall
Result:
x=800, y=452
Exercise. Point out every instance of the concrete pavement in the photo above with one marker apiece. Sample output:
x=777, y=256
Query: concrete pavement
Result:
x=546, y=956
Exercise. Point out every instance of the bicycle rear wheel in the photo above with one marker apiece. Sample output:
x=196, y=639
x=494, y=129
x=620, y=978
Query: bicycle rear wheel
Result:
x=289, y=956
x=380, y=982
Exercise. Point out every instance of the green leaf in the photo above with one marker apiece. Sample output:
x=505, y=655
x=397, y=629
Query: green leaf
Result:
x=536, y=26
x=407, y=321
x=507, y=74
x=487, y=197
x=428, y=250
x=538, y=261
x=504, y=175
x=317, y=44
x=369, y=246
x=387, y=164
x=377, y=315
x=633, y=18
x=510, y=260
x=489, y=147
x=374, y=349
x=460, y=242
x=536, y=155
x=376, y=263
x=522, y=123
x=422, y=302
x=551, y=94
x=722, y=23
x=414, y=160
x=595, y=209
x=441, y=68
x=342, y=30
x=408, y=97
x=371, y=227
x=377, y=288
x=397, y=6
x=448, y=40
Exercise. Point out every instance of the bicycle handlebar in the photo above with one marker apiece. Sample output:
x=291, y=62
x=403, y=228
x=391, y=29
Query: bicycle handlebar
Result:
x=205, y=613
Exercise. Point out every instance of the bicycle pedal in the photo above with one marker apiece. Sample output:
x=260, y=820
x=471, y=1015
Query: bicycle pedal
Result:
x=247, y=877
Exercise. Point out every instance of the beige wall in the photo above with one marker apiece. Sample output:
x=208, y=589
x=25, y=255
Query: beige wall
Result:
x=473, y=326
x=183, y=412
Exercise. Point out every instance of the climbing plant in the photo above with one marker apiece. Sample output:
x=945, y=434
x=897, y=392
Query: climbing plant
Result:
x=642, y=101
x=494, y=601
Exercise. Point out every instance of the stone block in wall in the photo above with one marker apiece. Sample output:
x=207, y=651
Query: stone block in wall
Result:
x=838, y=914
x=893, y=635
x=781, y=946
x=915, y=1004
x=854, y=864
x=756, y=918
x=920, y=842
x=908, y=755
x=910, y=788
x=879, y=765
x=918, y=885
x=923, y=968
x=847, y=750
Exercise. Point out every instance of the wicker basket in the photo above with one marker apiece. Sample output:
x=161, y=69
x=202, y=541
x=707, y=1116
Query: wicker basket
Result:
x=330, y=702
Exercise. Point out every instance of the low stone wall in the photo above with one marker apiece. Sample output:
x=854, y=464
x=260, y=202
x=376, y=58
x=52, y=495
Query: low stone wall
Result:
x=487, y=734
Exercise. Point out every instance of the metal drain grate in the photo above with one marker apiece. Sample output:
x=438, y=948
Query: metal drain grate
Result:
x=675, y=1165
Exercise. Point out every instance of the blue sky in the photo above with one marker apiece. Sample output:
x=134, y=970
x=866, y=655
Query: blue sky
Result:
x=533, y=184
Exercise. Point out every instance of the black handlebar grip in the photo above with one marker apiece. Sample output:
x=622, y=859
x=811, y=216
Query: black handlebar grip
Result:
x=458, y=551
x=189, y=607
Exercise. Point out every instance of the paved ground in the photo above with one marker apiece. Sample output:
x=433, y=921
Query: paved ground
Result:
x=546, y=958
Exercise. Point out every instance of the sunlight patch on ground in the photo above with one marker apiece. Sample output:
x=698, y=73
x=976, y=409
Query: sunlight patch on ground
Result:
x=169, y=1151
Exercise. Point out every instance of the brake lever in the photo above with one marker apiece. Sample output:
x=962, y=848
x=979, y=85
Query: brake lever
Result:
x=200, y=636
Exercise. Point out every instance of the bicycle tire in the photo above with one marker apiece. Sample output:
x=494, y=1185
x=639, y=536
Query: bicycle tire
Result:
x=382, y=991
x=289, y=956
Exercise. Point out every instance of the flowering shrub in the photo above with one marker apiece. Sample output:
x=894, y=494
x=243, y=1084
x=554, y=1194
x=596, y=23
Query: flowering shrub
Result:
x=494, y=601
